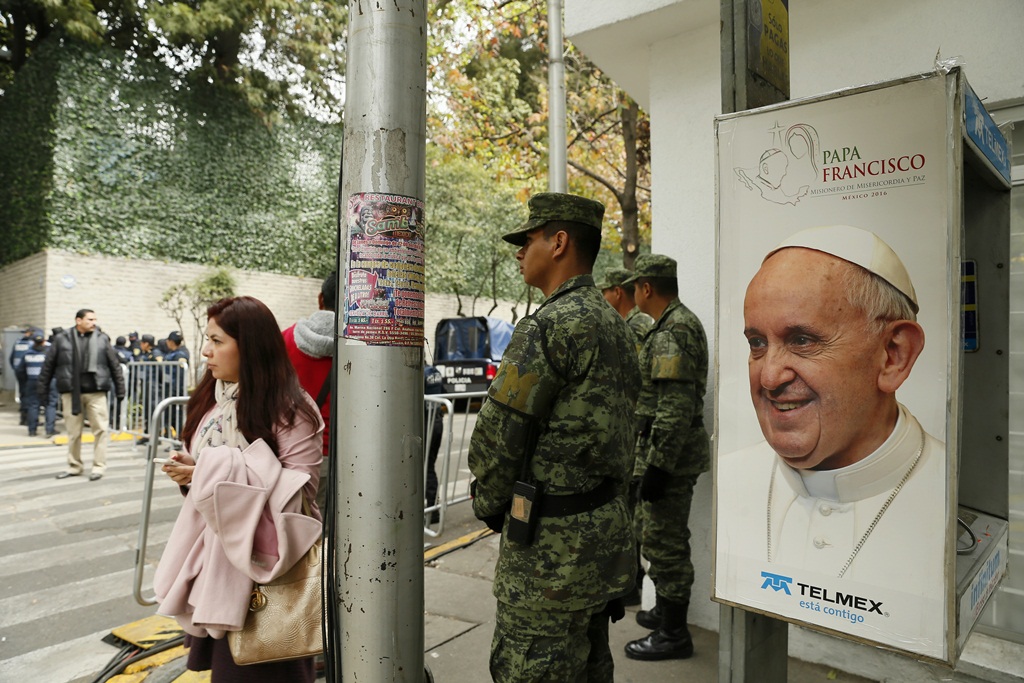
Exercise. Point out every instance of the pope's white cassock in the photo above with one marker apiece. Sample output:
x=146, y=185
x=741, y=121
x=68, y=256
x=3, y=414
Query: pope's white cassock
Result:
x=880, y=521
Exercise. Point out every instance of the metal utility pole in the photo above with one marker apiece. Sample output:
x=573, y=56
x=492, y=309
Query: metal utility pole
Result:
x=753, y=648
x=378, y=431
x=557, y=167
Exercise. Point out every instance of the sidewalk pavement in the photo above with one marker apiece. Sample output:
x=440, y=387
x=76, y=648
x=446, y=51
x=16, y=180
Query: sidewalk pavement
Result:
x=459, y=607
x=13, y=435
x=460, y=621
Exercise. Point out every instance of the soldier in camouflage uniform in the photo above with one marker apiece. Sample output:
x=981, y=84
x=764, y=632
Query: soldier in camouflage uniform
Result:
x=619, y=294
x=559, y=416
x=672, y=450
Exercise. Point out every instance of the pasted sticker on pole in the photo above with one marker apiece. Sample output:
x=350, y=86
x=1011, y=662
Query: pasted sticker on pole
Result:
x=384, y=292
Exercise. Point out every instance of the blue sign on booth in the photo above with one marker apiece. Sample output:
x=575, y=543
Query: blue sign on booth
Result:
x=986, y=135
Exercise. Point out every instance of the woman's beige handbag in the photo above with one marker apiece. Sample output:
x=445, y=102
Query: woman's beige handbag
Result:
x=284, y=620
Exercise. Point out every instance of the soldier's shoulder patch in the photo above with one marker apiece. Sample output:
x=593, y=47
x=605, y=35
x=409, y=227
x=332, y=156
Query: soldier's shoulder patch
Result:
x=525, y=382
x=514, y=387
x=668, y=367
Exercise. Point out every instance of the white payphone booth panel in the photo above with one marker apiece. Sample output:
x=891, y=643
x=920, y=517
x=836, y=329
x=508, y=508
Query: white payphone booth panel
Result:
x=861, y=460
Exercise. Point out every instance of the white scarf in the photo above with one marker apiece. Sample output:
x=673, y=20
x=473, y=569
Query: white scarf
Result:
x=221, y=428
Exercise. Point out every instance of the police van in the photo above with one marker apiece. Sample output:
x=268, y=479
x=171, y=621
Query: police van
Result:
x=467, y=352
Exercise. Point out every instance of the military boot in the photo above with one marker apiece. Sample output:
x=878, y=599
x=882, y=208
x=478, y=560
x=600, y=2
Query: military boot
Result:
x=671, y=640
x=651, y=618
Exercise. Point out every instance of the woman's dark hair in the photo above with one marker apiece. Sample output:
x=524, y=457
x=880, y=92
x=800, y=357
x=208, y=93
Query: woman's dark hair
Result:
x=269, y=393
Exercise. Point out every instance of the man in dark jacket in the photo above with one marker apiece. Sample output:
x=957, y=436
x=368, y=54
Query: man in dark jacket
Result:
x=85, y=366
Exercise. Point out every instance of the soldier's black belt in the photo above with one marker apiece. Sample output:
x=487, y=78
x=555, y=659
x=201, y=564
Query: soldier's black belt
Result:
x=576, y=503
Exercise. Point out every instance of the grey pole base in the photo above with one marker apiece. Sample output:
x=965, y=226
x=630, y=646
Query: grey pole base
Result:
x=752, y=648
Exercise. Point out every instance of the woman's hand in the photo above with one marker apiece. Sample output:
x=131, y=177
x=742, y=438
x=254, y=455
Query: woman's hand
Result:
x=180, y=468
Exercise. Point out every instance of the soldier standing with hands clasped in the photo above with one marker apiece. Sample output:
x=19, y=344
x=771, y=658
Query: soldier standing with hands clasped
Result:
x=619, y=295
x=671, y=452
x=551, y=453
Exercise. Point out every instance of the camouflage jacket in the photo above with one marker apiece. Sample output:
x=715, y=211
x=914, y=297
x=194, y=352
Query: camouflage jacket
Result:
x=639, y=324
x=670, y=411
x=568, y=382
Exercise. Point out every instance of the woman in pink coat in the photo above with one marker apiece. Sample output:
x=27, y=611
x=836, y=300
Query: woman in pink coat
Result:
x=254, y=451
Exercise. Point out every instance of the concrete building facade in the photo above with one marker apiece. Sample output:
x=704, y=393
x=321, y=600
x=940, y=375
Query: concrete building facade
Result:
x=46, y=289
x=667, y=55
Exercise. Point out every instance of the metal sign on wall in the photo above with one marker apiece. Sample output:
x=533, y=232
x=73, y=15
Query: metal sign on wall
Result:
x=768, y=41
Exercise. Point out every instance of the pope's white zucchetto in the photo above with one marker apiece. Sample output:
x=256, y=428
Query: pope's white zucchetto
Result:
x=858, y=246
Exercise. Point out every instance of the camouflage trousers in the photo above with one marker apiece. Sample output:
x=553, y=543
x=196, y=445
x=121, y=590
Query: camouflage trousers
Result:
x=539, y=646
x=664, y=535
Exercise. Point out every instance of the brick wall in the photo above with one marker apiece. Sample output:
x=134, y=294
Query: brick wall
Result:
x=23, y=292
x=46, y=289
x=125, y=293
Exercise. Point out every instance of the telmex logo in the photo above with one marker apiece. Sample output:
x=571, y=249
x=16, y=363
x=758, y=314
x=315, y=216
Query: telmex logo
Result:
x=778, y=582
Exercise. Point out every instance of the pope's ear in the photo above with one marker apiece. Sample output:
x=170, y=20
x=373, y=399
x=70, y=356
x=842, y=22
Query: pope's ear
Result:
x=904, y=341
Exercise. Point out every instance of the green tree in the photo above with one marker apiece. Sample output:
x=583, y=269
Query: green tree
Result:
x=487, y=66
x=193, y=298
x=279, y=55
x=467, y=213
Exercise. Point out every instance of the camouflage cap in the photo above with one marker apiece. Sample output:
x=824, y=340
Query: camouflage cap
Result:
x=557, y=206
x=613, y=277
x=653, y=265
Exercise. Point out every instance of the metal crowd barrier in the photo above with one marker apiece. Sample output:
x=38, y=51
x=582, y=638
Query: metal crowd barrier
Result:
x=174, y=403
x=116, y=409
x=147, y=383
x=452, y=484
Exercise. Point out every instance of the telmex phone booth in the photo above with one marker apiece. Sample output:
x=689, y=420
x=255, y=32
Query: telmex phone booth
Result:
x=903, y=549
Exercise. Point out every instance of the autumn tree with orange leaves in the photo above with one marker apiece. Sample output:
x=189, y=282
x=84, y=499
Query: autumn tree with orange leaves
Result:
x=488, y=101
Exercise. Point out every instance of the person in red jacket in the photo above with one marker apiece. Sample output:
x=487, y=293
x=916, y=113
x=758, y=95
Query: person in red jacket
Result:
x=310, y=346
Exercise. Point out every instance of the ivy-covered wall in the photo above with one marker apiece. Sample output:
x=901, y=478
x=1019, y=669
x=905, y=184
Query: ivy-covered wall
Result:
x=26, y=159
x=121, y=158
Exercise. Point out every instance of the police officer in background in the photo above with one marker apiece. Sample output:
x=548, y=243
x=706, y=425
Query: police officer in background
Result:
x=124, y=354
x=672, y=450
x=148, y=350
x=552, y=452
x=433, y=432
x=176, y=378
x=147, y=383
x=29, y=369
x=133, y=343
x=18, y=351
x=176, y=349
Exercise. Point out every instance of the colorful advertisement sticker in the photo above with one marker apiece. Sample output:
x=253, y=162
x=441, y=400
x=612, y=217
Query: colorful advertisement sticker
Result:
x=384, y=292
x=831, y=504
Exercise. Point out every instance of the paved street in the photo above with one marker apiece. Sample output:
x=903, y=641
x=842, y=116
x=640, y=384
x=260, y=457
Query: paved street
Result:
x=67, y=552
